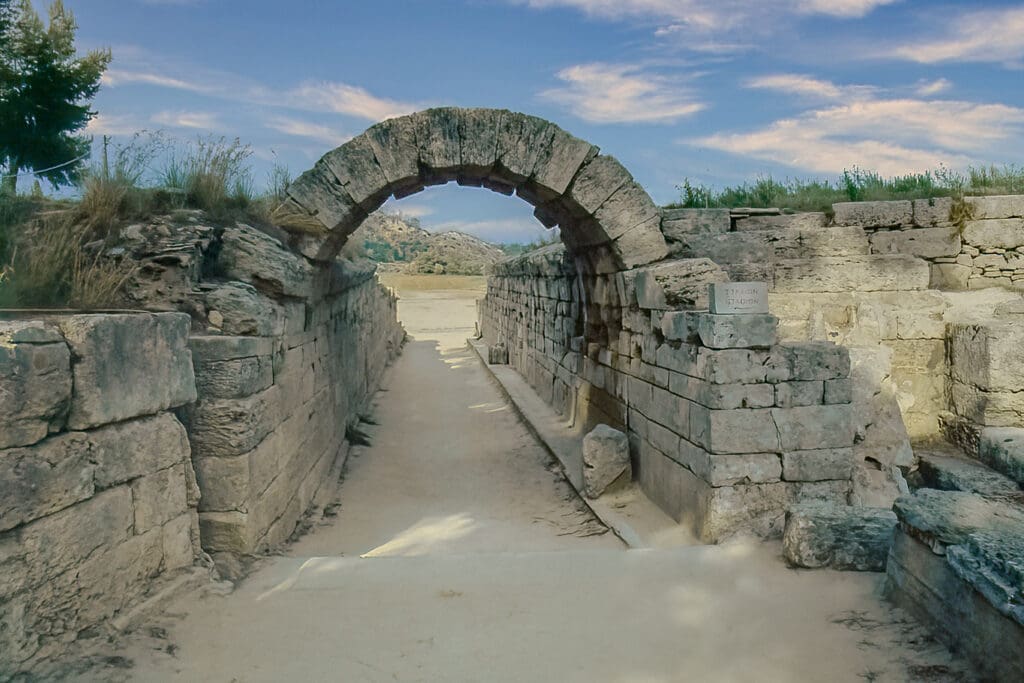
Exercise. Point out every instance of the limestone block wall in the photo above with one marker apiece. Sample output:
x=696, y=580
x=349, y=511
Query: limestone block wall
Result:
x=882, y=278
x=97, y=490
x=727, y=427
x=284, y=366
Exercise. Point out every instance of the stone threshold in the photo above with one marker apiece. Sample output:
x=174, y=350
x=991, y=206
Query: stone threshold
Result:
x=626, y=510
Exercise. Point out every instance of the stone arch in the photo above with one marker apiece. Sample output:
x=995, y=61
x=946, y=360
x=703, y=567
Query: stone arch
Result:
x=607, y=221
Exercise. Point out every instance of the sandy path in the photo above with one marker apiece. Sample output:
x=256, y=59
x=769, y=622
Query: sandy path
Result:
x=457, y=555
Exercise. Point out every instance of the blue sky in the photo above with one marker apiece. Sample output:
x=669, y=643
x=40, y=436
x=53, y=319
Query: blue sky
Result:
x=717, y=91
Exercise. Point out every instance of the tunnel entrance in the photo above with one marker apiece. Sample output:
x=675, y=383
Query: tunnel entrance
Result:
x=607, y=220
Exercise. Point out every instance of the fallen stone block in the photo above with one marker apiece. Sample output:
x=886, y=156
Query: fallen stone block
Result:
x=605, y=459
x=497, y=354
x=838, y=536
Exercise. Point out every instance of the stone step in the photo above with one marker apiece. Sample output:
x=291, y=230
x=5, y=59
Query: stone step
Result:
x=948, y=472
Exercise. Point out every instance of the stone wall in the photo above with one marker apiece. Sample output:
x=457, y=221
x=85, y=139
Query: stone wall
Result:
x=884, y=279
x=269, y=429
x=727, y=427
x=97, y=491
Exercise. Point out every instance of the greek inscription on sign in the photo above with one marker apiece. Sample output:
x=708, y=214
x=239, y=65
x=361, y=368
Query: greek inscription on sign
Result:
x=738, y=297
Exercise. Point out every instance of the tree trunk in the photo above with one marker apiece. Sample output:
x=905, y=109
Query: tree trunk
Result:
x=10, y=183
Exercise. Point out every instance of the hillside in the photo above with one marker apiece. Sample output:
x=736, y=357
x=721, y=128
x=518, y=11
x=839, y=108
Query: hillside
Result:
x=391, y=238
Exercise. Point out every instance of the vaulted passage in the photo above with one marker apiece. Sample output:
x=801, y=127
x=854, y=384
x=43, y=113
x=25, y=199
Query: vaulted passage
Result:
x=607, y=220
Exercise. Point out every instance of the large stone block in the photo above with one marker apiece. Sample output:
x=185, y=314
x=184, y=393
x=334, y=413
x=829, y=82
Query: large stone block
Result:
x=814, y=427
x=1002, y=449
x=160, y=497
x=228, y=427
x=35, y=382
x=561, y=161
x=628, y=207
x=233, y=378
x=319, y=195
x=729, y=469
x=818, y=464
x=838, y=536
x=640, y=246
x=128, y=365
x=254, y=257
x=394, y=145
x=355, y=166
x=996, y=233
x=987, y=356
x=733, y=431
x=852, y=273
x=605, y=459
x=929, y=213
x=815, y=221
x=596, y=181
x=874, y=214
x=750, y=330
x=679, y=224
x=44, y=478
x=998, y=206
x=244, y=311
x=681, y=284
x=522, y=141
x=926, y=242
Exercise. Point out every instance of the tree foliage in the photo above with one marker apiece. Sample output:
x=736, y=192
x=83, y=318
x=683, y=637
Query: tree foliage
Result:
x=45, y=92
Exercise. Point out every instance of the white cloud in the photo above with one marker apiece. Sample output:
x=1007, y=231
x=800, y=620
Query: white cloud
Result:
x=113, y=124
x=929, y=88
x=197, y=120
x=983, y=36
x=306, y=129
x=808, y=86
x=113, y=78
x=342, y=98
x=705, y=16
x=891, y=136
x=621, y=93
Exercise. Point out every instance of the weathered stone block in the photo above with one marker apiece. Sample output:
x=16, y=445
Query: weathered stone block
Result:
x=35, y=383
x=838, y=536
x=729, y=469
x=159, y=497
x=605, y=459
x=838, y=391
x=227, y=427
x=233, y=378
x=596, y=181
x=748, y=330
x=640, y=246
x=355, y=166
x=244, y=311
x=677, y=285
x=925, y=242
x=522, y=140
x=128, y=365
x=874, y=214
x=997, y=233
x=949, y=277
x=948, y=473
x=394, y=146
x=929, y=213
x=252, y=256
x=561, y=161
x=678, y=224
x=227, y=532
x=128, y=450
x=852, y=273
x=814, y=427
x=794, y=394
x=1002, y=449
x=817, y=465
x=997, y=206
x=733, y=431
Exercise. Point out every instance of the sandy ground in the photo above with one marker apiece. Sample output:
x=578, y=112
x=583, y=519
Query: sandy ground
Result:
x=458, y=554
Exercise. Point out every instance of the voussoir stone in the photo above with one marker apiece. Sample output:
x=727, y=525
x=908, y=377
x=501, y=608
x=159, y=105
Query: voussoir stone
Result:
x=355, y=166
x=598, y=180
x=128, y=365
x=820, y=534
x=605, y=459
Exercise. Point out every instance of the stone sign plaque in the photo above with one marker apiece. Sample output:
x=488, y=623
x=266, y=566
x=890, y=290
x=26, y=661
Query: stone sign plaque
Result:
x=738, y=297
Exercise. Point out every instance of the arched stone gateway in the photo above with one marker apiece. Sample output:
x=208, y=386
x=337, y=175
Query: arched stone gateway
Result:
x=607, y=220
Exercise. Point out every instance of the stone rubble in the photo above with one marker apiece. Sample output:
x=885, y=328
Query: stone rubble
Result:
x=605, y=460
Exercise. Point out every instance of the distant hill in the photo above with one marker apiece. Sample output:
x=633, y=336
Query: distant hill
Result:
x=392, y=238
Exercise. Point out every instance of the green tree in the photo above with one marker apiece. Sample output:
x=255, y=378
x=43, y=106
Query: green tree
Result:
x=45, y=91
